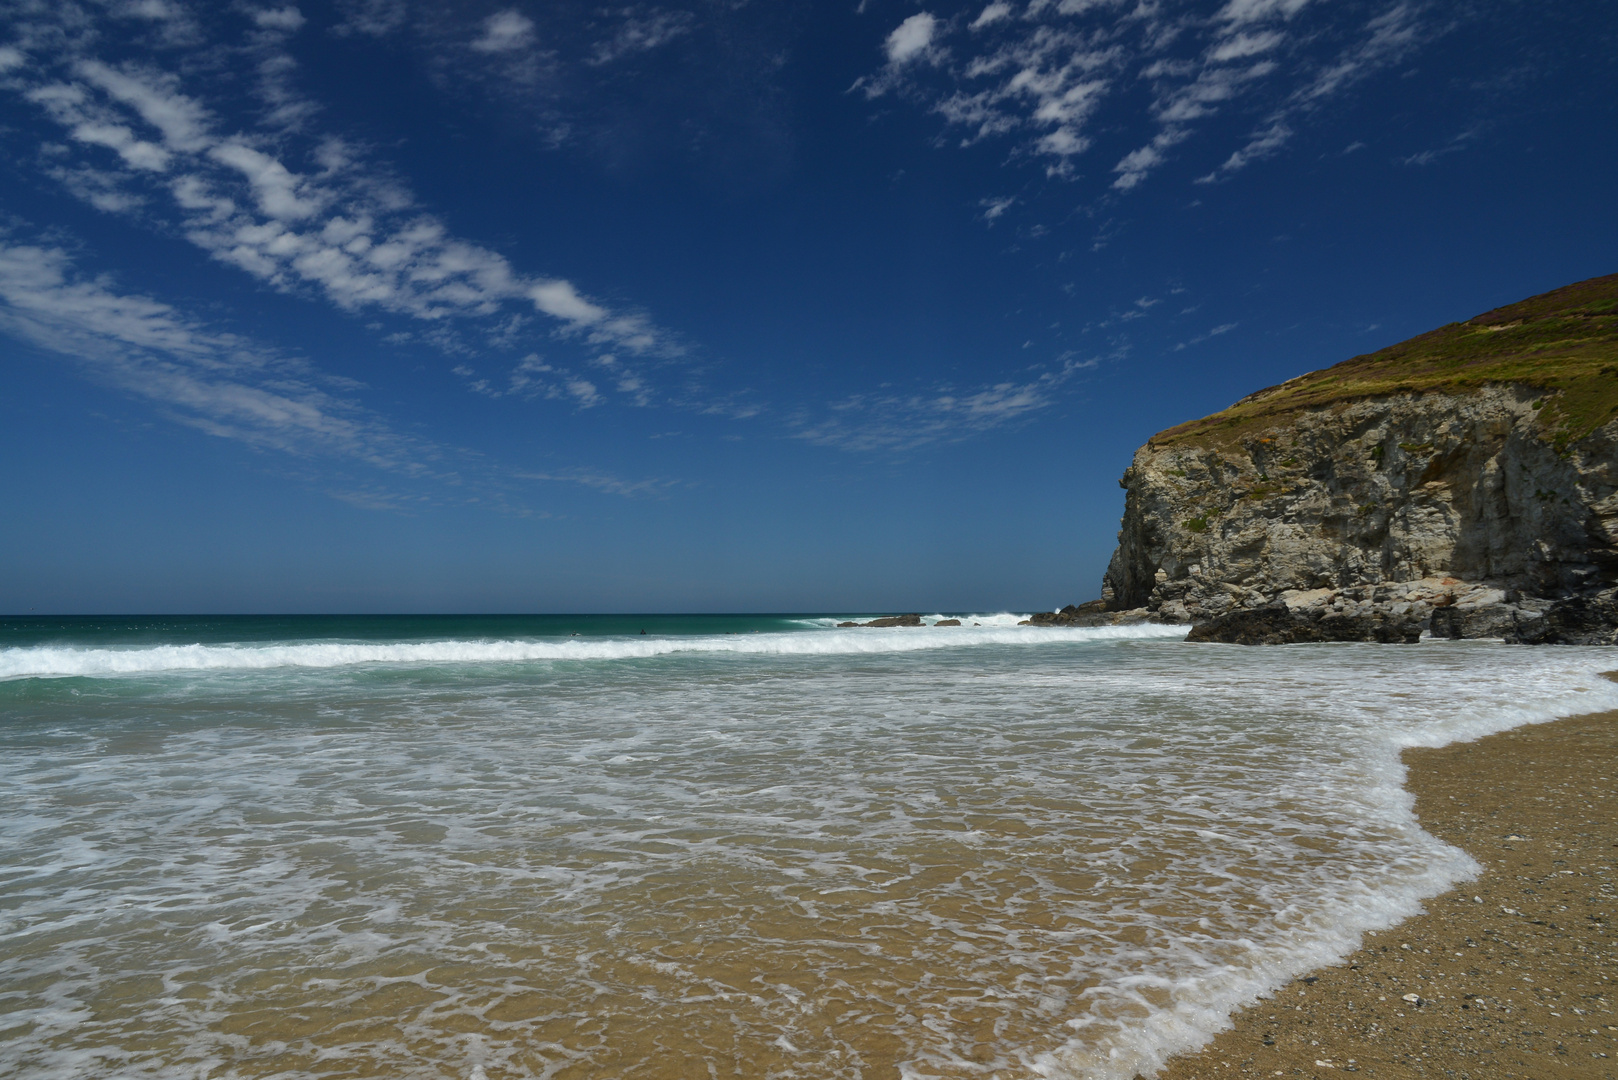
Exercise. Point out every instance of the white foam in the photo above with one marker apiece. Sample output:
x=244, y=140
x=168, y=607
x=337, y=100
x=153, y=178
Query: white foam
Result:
x=1179, y=828
x=994, y=619
x=48, y=661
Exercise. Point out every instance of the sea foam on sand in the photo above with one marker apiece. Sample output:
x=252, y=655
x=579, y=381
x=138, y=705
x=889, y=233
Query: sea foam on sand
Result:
x=928, y=851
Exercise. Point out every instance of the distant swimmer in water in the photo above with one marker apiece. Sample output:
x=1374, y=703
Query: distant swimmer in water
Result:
x=643, y=633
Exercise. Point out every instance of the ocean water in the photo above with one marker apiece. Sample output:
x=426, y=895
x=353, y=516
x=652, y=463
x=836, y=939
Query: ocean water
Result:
x=729, y=847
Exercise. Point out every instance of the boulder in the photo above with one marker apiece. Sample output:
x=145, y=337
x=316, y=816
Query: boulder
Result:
x=1574, y=620
x=889, y=620
x=1091, y=613
x=1278, y=624
x=1491, y=619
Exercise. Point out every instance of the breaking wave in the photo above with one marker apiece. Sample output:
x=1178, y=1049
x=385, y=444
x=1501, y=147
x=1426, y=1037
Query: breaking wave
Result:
x=51, y=661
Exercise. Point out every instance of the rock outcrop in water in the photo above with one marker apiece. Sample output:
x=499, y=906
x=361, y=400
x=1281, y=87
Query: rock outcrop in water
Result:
x=1464, y=482
x=889, y=620
x=1093, y=613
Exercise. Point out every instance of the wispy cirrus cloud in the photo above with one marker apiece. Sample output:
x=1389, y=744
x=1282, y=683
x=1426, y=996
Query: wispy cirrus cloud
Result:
x=333, y=227
x=1456, y=144
x=206, y=378
x=231, y=387
x=1385, y=40
x=632, y=87
x=1045, y=73
x=641, y=30
x=301, y=211
x=1212, y=332
x=609, y=485
x=889, y=421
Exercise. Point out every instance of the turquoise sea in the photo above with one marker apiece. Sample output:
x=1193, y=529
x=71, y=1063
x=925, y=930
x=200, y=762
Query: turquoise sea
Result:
x=730, y=846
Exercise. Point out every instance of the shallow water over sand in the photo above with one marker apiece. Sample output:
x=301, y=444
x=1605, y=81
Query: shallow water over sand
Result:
x=798, y=853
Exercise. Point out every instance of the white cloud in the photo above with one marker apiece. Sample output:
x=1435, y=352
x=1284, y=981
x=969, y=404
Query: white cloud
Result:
x=105, y=190
x=286, y=18
x=1043, y=72
x=992, y=14
x=152, y=9
x=585, y=391
x=1427, y=157
x=611, y=485
x=1387, y=38
x=230, y=387
x=137, y=152
x=279, y=193
x=642, y=32
x=911, y=38
x=1244, y=45
x=505, y=31
x=1222, y=328
x=340, y=230
x=1248, y=11
x=183, y=122
x=993, y=208
x=1134, y=166
x=559, y=299
x=1049, y=81
x=1261, y=145
x=871, y=422
x=374, y=18
x=1178, y=107
x=1391, y=35
x=308, y=214
x=214, y=381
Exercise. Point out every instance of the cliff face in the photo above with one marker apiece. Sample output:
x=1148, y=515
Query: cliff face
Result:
x=1377, y=492
x=1395, y=486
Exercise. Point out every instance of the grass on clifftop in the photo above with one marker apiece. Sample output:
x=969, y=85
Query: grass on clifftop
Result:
x=1564, y=342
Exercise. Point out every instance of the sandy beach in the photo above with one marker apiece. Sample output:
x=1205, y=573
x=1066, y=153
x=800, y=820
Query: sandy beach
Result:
x=1509, y=975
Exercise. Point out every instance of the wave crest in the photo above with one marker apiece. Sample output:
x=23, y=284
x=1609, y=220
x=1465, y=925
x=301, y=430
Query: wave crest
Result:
x=54, y=661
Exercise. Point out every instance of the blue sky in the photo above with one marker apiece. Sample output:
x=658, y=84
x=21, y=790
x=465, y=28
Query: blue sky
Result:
x=379, y=305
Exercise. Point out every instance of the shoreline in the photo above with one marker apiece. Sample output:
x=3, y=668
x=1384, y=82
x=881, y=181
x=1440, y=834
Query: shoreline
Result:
x=1514, y=973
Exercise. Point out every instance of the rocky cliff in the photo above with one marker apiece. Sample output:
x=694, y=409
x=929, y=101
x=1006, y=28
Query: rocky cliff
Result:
x=1464, y=482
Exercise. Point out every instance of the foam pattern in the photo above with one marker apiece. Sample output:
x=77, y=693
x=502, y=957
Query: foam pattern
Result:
x=1027, y=853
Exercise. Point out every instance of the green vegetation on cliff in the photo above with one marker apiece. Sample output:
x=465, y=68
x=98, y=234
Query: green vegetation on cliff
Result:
x=1564, y=342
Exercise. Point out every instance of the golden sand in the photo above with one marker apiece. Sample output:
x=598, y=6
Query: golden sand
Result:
x=1510, y=975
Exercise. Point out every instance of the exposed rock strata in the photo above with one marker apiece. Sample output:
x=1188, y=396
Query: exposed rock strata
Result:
x=1464, y=481
x=1455, y=513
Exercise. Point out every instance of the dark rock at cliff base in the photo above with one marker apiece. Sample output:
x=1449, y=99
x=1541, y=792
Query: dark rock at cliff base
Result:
x=1068, y=616
x=1093, y=613
x=1490, y=620
x=1575, y=620
x=1276, y=624
x=891, y=620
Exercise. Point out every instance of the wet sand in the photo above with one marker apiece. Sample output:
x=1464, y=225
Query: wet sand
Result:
x=1514, y=974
